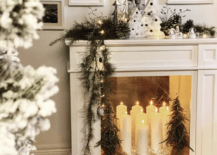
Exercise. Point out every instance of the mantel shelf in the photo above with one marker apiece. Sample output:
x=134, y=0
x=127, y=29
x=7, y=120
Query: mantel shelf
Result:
x=149, y=42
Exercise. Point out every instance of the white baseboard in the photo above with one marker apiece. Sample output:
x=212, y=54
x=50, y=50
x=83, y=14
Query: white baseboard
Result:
x=53, y=152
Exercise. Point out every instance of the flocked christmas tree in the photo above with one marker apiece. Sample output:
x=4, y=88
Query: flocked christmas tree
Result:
x=152, y=20
x=177, y=135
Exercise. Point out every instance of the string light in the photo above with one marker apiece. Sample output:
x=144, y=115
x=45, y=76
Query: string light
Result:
x=101, y=81
x=204, y=35
x=102, y=32
x=167, y=108
x=102, y=47
x=126, y=112
x=164, y=104
x=125, y=19
x=143, y=121
x=185, y=35
x=156, y=110
x=122, y=103
x=99, y=22
x=151, y=102
x=137, y=102
x=141, y=110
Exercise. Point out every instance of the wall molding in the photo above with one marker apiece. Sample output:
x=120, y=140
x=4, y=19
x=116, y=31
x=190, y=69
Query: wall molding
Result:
x=53, y=149
x=53, y=146
x=53, y=152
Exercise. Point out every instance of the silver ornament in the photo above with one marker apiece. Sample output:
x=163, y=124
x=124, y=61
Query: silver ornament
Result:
x=100, y=111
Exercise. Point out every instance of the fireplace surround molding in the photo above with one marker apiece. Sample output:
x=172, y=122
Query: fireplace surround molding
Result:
x=156, y=57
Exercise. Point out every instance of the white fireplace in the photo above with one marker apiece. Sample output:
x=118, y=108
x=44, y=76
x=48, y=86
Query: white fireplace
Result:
x=196, y=58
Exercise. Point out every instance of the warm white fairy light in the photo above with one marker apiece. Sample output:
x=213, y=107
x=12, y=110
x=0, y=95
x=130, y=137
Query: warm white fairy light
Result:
x=141, y=110
x=167, y=108
x=137, y=102
x=164, y=104
x=185, y=35
x=102, y=32
x=99, y=22
x=151, y=102
x=125, y=19
x=102, y=47
x=204, y=35
x=122, y=103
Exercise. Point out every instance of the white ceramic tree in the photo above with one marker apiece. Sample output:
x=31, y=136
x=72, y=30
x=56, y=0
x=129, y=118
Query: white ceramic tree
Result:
x=152, y=20
x=137, y=26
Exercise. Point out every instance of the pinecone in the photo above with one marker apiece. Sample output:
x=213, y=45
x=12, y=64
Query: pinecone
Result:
x=189, y=24
x=122, y=30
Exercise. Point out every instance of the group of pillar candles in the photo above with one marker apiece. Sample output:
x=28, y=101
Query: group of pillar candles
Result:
x=139, y=128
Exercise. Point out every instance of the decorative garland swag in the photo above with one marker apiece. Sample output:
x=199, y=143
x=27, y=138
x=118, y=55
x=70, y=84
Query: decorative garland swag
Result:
x=96, y=71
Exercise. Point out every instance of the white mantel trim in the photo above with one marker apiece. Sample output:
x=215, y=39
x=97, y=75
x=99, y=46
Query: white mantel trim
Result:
x=151, y=42
x=148, y=69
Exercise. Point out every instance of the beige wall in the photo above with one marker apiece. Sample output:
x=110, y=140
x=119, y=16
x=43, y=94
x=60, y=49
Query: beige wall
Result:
x=57, y=139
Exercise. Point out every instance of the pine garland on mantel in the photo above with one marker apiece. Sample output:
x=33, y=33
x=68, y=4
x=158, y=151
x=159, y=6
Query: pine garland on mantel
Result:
x=96, y=68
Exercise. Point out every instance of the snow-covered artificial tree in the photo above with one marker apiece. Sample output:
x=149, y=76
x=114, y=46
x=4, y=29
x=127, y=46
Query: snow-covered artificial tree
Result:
x=25, y=92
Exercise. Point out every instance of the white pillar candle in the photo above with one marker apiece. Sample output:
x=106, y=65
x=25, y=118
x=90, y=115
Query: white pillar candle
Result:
x=141, y=116
x=163, y=109
x=120, y=110
x=135, y=110
x=142, y=139
x=165, y=120
x=150, y=110
x=126, y=133
x=156, y=132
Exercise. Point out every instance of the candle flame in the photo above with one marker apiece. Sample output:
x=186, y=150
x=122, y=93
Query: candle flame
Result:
x=164, y=104
x=122, y=103
x=151, y=102
x=137, y=102
x=143, y=121
x=156, y=110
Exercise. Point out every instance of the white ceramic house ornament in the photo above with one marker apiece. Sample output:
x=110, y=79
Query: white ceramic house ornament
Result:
x=152, y=21
x=137, y=26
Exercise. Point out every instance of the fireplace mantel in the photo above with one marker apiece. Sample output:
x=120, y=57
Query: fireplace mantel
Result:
x=157, y=57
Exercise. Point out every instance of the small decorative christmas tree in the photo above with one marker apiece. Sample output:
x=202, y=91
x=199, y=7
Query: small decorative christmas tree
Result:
x=177, y=135
x=137, y=26
x=110, y=142
x=152, y=20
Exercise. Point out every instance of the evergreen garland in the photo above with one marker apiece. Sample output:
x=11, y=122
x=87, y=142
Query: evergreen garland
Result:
x=96, y=31
x=177, y=135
